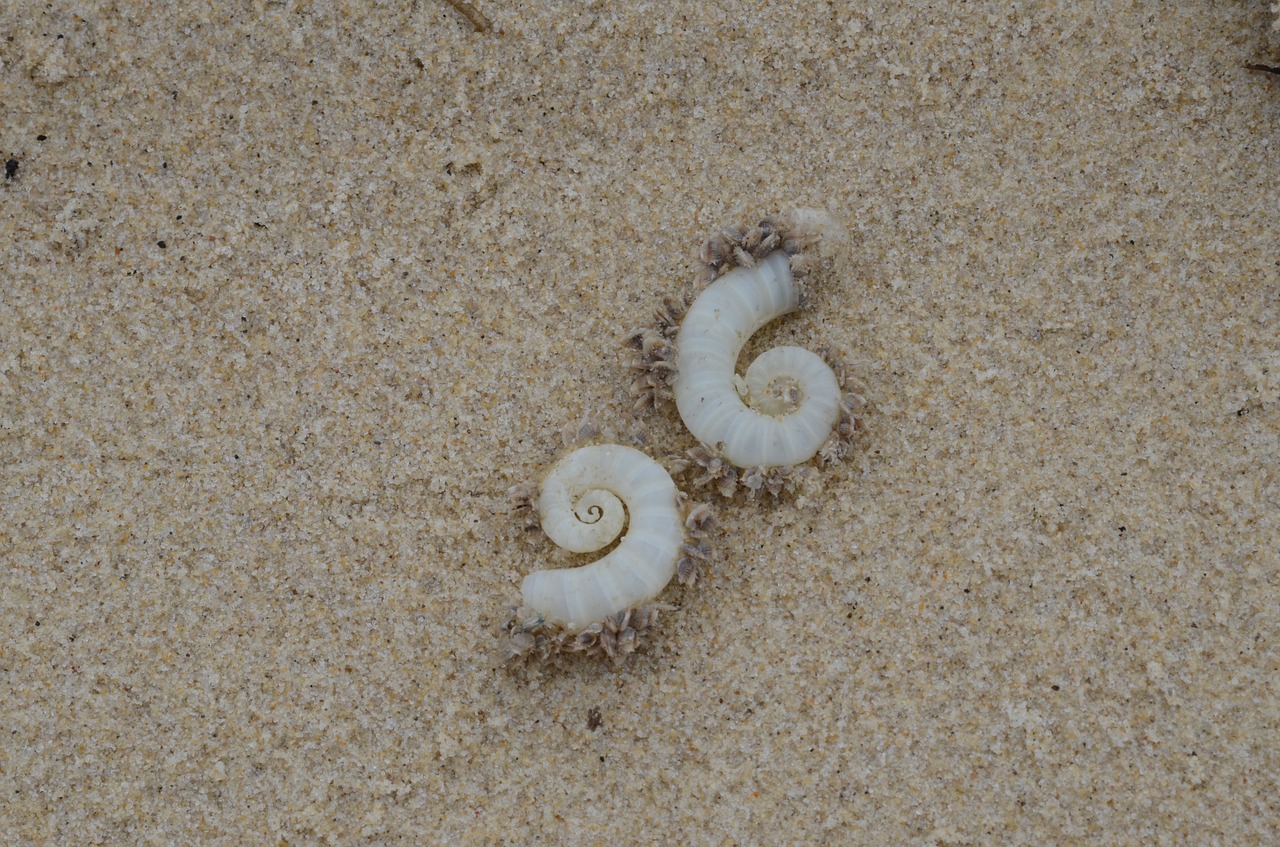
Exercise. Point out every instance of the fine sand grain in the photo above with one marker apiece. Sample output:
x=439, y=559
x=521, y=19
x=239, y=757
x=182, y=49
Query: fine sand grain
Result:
x=291, y=293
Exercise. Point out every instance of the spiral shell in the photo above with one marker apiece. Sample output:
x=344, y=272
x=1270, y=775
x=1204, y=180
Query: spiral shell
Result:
x=584, y=504
x=789, y=402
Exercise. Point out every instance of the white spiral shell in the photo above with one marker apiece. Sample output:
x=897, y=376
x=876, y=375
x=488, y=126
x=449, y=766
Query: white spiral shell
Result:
x=581, y=508
x=794, y=395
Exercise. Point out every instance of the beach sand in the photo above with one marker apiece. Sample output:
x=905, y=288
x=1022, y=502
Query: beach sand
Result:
x=292, y=293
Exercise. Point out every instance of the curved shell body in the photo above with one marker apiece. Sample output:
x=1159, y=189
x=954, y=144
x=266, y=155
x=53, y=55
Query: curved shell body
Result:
x=794, y=396
x=581, y=507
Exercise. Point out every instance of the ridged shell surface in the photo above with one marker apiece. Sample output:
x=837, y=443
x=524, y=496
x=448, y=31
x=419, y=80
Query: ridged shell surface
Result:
x=745, y=419
x=585, y=502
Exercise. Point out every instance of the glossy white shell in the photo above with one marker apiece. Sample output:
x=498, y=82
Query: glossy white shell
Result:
x=711, y=398
x=581, y=508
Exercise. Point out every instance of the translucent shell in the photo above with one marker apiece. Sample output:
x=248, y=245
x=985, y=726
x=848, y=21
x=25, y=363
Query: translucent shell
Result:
x=584, y=504
x=789, y=402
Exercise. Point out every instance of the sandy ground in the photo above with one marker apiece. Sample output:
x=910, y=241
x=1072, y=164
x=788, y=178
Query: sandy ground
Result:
x=291, y=293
